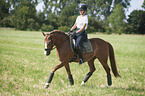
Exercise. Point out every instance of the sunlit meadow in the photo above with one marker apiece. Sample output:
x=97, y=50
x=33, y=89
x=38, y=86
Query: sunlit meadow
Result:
x=24, y=68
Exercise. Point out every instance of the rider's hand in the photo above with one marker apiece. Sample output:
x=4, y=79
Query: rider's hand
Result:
x=68, y=32
x=73, y=34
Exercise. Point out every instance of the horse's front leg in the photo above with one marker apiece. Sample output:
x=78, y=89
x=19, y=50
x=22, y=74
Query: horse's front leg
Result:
x=52, y=74
x=70, y=78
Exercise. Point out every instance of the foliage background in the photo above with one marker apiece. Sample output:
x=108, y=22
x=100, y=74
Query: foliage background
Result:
x=103, y=15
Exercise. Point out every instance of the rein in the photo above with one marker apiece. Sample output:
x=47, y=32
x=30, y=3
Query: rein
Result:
x=52, y=48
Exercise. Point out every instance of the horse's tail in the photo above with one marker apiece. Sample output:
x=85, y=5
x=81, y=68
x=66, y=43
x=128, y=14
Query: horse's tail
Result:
x=112, y=61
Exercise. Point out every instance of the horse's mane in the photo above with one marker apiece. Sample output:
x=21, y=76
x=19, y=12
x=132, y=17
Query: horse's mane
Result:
x=59, y=32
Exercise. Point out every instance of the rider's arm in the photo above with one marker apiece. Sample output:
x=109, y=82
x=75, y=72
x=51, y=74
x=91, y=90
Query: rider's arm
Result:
x=74, y=26
x=83, y=28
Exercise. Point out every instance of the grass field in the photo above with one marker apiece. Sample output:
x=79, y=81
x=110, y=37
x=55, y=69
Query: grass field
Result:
x=24, y=69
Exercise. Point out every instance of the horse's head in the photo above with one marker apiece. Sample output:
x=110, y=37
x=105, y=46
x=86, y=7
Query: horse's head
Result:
x=54, y=38
x=48, y=43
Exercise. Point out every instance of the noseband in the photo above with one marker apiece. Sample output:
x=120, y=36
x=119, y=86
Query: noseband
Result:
x=52, y=48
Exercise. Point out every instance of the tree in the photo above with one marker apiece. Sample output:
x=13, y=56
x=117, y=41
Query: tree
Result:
x=4, y=12
x=67, y=14
x=137, y=20
x=24, y=14
x=32, y=24
x=143, y=6
x=116, y=18
x=15, y=3
x=52, y=20
x=106, y=7
x=97, y=25
x=41, y=18
x=95, y=7
x=57, y=5
x=57, y=13
x=4, y=9
x=47, y=28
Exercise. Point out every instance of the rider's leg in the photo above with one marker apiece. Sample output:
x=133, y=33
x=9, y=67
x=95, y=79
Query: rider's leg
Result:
x=78, y=46
x=80, y=55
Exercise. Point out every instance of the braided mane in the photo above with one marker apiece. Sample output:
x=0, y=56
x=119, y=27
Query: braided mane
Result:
x=59, y=32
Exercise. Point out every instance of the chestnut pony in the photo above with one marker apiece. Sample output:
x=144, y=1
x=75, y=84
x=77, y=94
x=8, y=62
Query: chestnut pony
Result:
x=101, y=50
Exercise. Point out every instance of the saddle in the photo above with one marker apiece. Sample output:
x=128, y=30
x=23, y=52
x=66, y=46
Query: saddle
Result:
x=87, y=46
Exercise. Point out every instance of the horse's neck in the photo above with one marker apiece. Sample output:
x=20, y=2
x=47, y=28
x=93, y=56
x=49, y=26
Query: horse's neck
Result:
x=62, y=44
x=59, y=38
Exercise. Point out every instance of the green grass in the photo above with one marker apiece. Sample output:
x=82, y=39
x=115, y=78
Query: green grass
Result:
x=24, y=69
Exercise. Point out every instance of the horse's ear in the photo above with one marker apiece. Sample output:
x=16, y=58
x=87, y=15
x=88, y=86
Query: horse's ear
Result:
x=43, y=33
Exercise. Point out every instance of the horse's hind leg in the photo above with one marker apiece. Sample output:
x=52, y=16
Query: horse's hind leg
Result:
x=89, y=74
x=107, y=69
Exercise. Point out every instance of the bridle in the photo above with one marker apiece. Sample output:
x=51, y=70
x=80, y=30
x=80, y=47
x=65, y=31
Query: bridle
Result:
x=51, y=42
x=48, y=43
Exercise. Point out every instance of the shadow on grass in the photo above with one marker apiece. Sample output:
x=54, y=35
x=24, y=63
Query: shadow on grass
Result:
x=130, y=88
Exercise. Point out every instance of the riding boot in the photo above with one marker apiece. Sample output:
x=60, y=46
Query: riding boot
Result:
x=80, y=55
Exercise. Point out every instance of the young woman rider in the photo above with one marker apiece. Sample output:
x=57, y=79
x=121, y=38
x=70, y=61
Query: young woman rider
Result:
x=80, y=35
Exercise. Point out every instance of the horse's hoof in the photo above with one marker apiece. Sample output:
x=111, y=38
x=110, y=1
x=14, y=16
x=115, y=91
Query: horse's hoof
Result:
x=70, y=86
x=108, y=86
x=83, y=83
x=46, y=85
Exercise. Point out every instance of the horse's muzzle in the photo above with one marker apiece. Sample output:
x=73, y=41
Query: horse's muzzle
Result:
x=46, y=53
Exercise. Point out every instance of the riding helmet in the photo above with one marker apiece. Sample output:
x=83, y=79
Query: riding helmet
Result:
x=82, y=7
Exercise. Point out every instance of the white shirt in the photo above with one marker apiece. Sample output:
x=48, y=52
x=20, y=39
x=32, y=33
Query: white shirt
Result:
x=81, y=20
